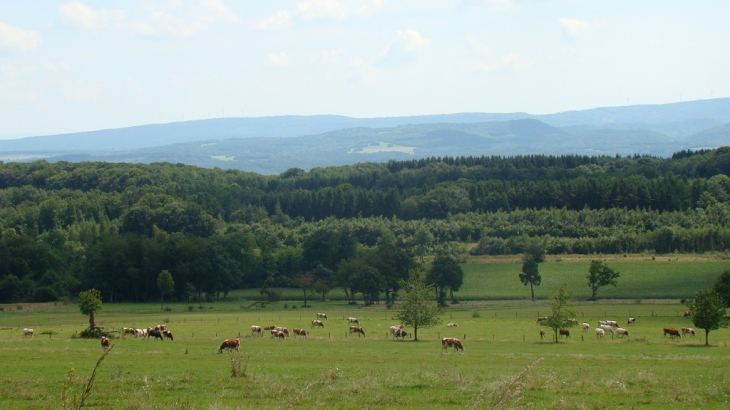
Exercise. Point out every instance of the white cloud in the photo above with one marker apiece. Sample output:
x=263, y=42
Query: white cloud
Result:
x=574, y=26
x=279, y=60
x=412, y=39
x=16, y=37
x=57, y=68
x=501, y=4
x=12, y=71
x=176, y=21
x=319, y=9
x=510, y=62
x=280, y=19
x=82, y=16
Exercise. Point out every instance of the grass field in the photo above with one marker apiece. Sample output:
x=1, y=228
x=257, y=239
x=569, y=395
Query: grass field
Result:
x=666, y=277
x=330, y=369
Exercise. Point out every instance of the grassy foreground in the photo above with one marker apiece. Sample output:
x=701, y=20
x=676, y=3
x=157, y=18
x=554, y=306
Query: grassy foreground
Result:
x=334, y=370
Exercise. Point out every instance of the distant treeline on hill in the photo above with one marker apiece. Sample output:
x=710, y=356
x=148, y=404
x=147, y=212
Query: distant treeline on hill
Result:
x=115, y=226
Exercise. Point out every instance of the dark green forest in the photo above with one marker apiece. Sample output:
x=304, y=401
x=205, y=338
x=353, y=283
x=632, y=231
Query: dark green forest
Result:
x=67, y=227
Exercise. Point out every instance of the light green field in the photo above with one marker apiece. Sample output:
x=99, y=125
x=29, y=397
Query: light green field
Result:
x=332, y=370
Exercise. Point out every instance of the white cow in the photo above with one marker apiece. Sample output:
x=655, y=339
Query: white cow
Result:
x=393, y=329
x=353, y=320
x=632, y=321
x=600, y=333
x=612, y=323
x=607, y=328
x=621, y=332
x=28, y=332
x=585, y=326
x=452, y=325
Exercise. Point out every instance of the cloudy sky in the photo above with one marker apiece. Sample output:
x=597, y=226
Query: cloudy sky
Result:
x=69, y=66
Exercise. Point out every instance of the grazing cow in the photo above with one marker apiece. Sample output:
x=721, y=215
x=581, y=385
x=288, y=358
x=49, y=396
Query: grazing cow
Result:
x=564, y=332
x=256, y=329
x=585, y=326
x=278, y=333
x=300, y=332
x=621, y=332
x=154, y=333
x=452, y=325
x=688, y=331
x=672, y=332
x=28, y=332
x=687, y=313
x=230, y=344
x=128, y=330
x=612, y=323
x=394, y=328
x=140, y=332
x=541, y=319
x=321, y=316
x=358, y=330
x=168, y=334
x=401, y=333
x=573, y=321
x=105, y=343
x=600, y=333
x=607, y=328
x=270, y=327
x=451, y=342
x=353, y=320
x=283, y=330
x=317, y=323
x=161, y=327
x=542, y=334
x=632, y=321
x=602, y=323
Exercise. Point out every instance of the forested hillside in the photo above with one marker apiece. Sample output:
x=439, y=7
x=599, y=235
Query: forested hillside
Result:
x=116, y=226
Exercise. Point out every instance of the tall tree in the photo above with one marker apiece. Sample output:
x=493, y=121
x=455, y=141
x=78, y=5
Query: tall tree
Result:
x=599, y=275
x=722, y=287
x=417, y=306
x=534, y=248
x=445, y=273
x=165, y=284
x=708, y=311
x=530, y=275
x=89, y=304
x=561, y=316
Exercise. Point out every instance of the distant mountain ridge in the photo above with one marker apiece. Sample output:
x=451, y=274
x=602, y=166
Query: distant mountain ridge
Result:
x=270, y=145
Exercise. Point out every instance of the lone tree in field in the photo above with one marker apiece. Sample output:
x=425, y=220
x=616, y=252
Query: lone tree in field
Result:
x=165, y=284
x=561, y=316
x=89, y=304
x=530, y=275
x=708, y=311
x=599, y=275
x=445, y=273
x=417, y=306
x=306, y=284
x=722, y=287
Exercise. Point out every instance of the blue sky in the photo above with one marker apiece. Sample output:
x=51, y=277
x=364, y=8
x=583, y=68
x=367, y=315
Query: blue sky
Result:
x=69, y=66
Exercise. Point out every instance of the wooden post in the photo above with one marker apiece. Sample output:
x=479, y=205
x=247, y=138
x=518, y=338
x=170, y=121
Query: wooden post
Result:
x=581, y=338
x=464, y=336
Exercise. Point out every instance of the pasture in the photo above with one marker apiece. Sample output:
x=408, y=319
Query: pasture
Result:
x=334, y=369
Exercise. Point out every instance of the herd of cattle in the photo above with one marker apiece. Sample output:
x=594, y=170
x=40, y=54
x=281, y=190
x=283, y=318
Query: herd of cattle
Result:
x=612, y=327
x=604, y=327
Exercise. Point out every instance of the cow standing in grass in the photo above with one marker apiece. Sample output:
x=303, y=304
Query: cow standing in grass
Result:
x=317, y=323
x=447, y=342
x=230, y=344
x=105, y=343
x=358, y=330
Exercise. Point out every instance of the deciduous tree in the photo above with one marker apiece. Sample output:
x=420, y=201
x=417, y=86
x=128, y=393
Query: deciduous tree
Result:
x=560, y=312
x=165, y=284
x=599, y=275
x=530, y=275
x=417, y=306
x=708, y=311
x=89, y=304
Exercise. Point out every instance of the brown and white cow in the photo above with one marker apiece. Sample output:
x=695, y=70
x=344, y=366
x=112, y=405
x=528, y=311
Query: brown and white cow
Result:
x=394, y=328
x=672, y=332
x=632, y=321
x=541, y=319
x=256, y=329
x=321, y=316
x=687, y=313
x=621, y=332
x=168, y=334
x=542, y=334
x=278, y=333
x=140, y=332
x=270, y=327
x=105, y=343
x=358, y=330
x=401, y=333
x=161, y=327
x=128, y=330
x=353, y=320
x=688, y=331
x=452, y=325
x=230, y=344
x=447, y=342
x=300, y=332
x=585, y=326
x=28, y=332
x=564, y=332
x=317, y=323
x=612, y=323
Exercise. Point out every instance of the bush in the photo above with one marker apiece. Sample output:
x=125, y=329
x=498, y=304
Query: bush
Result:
x=190, y=308
x=286, y=306
x=475, y=314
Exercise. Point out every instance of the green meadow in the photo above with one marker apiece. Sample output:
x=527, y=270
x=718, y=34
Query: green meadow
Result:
x=334, y=369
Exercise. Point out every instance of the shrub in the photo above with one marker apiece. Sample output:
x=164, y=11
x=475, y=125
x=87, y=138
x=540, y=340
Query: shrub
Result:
x=475, y=314
x=191, y=307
